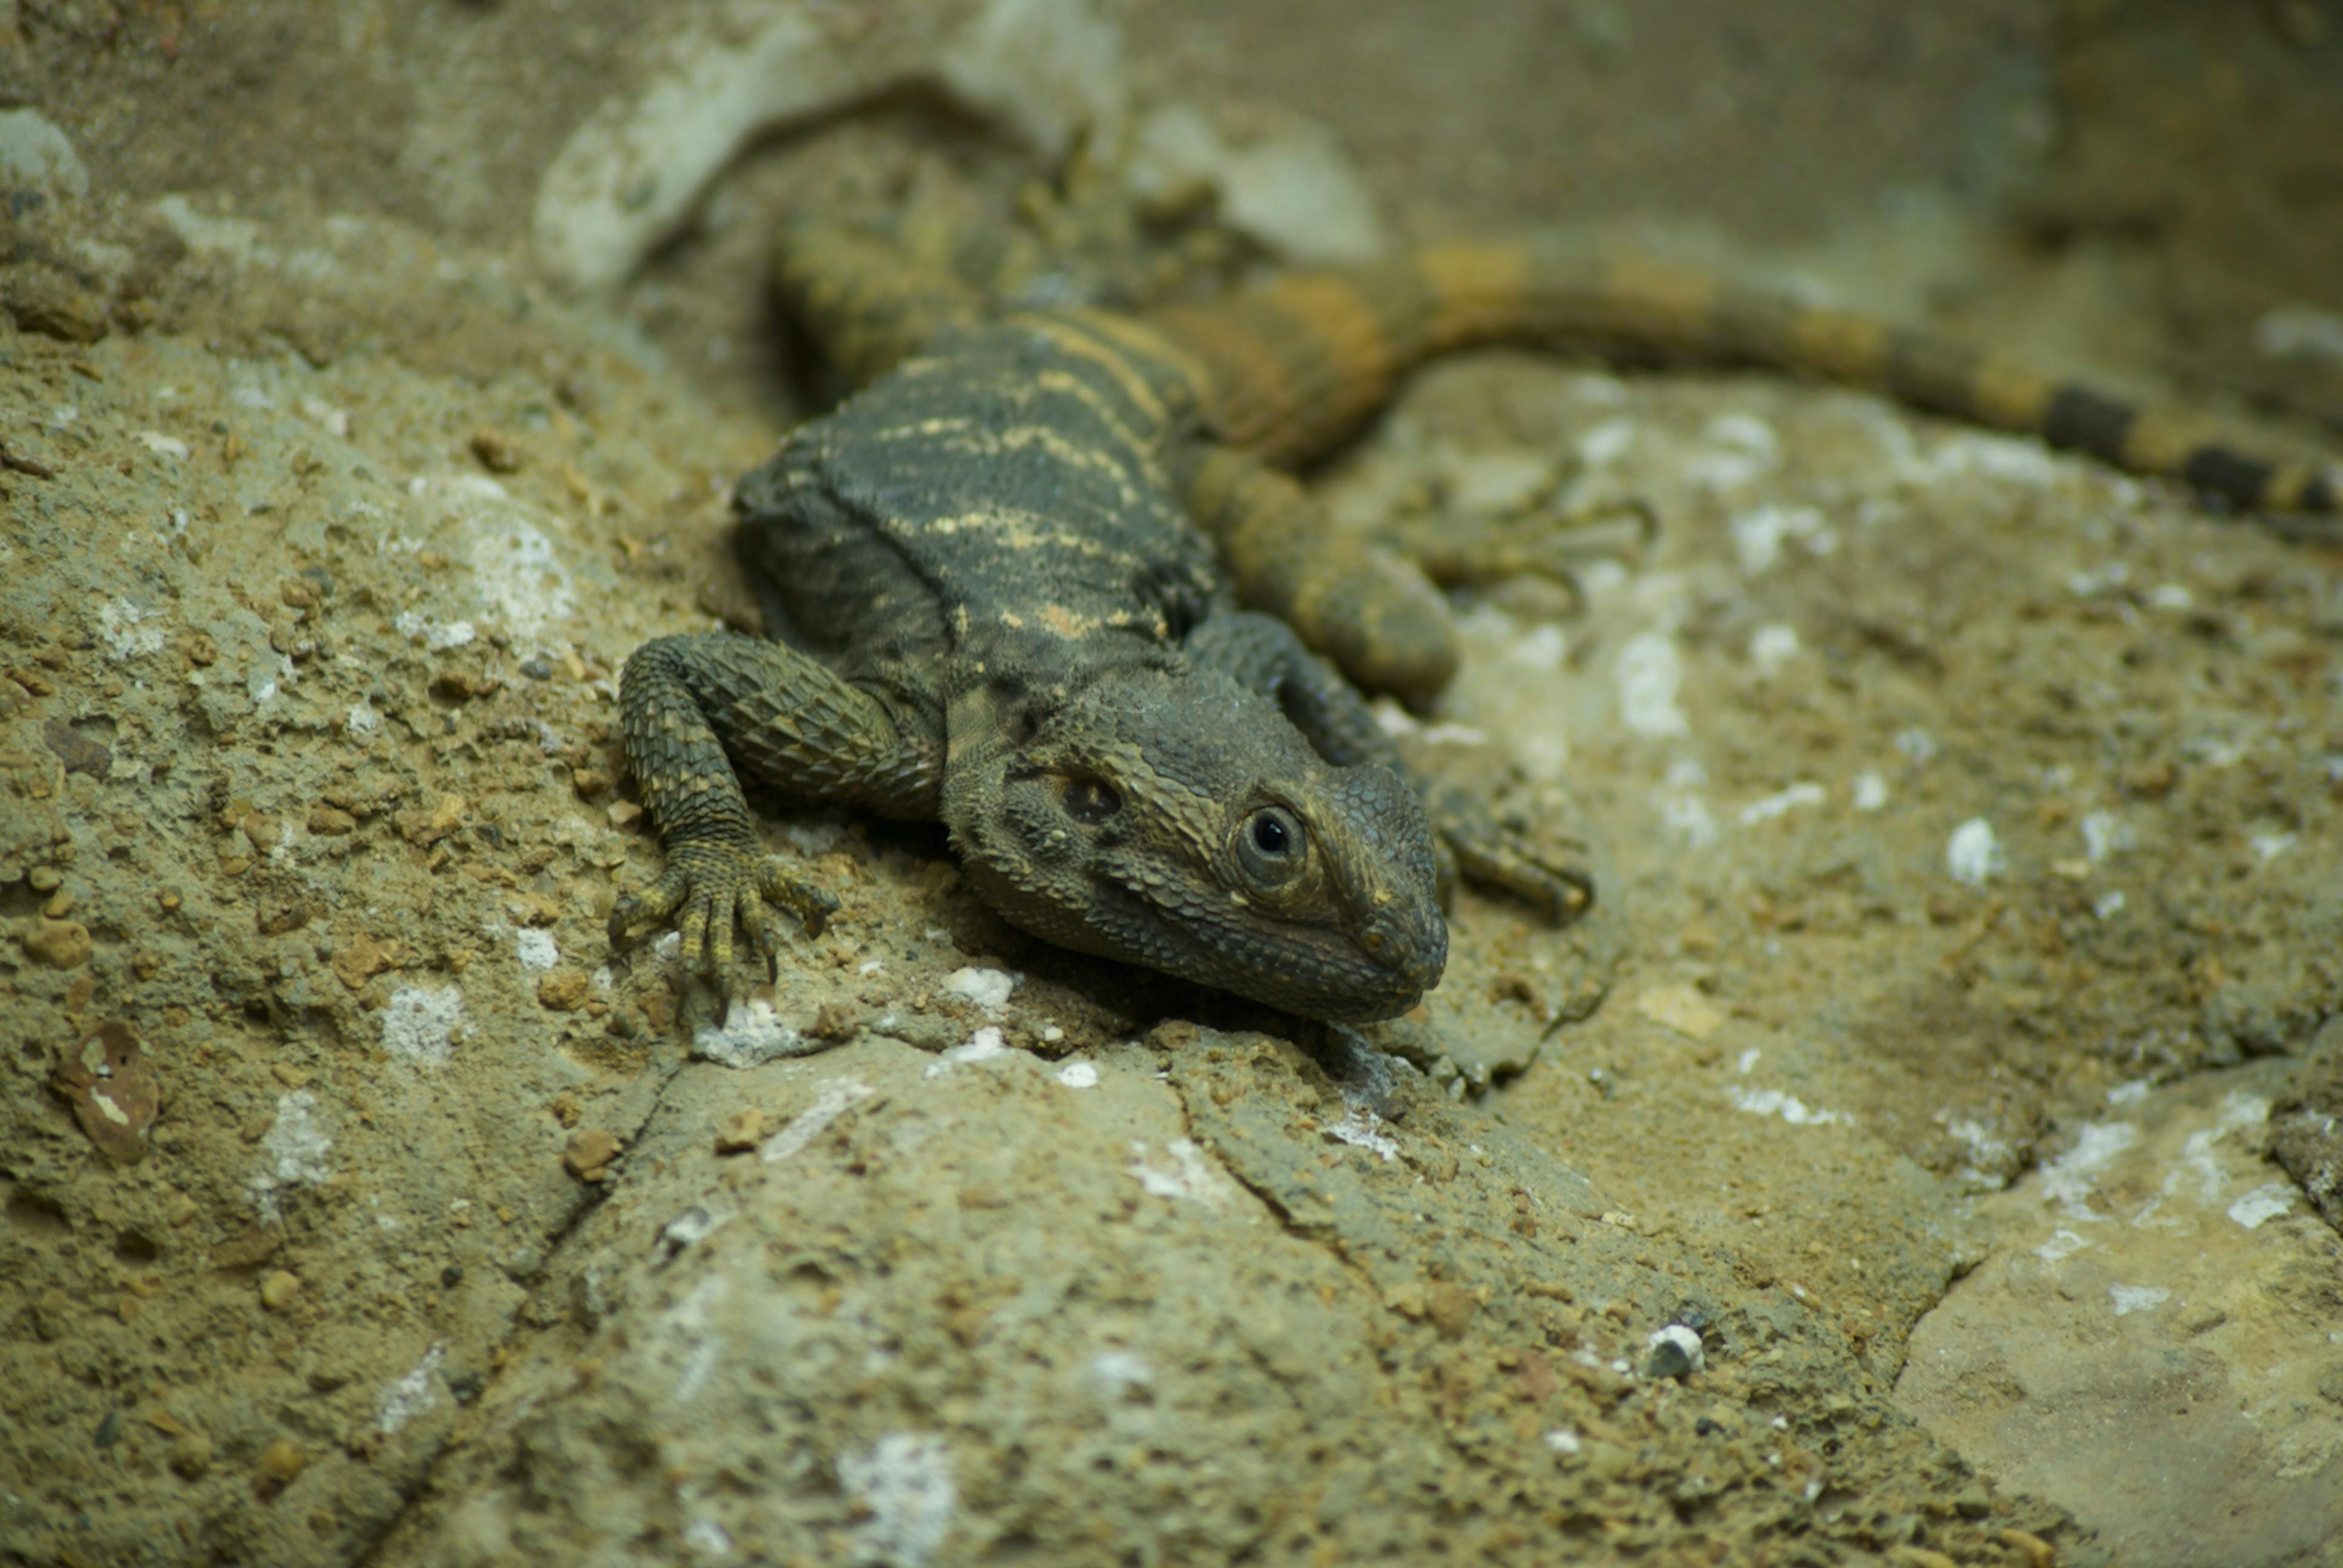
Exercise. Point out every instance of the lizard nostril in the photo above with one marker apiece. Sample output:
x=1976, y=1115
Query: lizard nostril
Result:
x=1376, y=937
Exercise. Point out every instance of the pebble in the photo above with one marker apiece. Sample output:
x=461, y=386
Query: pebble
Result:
x=588, y=1152
x=282, y=1461
x=280, y=1289
x=740, y=1132
x=562, y=990
x=191, y=1456
x=60, y=944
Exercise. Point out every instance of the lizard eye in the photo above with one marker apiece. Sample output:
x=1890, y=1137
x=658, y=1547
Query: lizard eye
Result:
x=1270, y=846
x=1089, y=801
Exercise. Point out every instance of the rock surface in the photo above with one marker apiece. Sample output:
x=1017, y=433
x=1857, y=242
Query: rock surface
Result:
x=357, y=1204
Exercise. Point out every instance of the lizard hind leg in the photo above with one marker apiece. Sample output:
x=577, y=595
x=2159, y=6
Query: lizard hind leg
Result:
x=1372, y=612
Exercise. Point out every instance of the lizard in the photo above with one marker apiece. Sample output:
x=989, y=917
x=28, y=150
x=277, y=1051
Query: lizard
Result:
x=1049, y=579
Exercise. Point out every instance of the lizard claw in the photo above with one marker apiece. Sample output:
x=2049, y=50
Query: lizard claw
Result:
x=711, y=888
x=1489, y=855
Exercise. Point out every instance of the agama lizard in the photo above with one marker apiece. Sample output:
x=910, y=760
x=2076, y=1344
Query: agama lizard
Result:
x=1050, y=584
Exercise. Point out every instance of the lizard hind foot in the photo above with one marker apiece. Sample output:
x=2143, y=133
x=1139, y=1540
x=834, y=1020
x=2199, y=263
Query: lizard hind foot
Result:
x=712, y=888
x=1496, y=859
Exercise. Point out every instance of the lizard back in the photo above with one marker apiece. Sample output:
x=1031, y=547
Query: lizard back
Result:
x=1005, y=488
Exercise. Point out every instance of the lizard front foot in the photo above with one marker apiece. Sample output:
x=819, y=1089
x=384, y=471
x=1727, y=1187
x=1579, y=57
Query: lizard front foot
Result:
x=709, y=889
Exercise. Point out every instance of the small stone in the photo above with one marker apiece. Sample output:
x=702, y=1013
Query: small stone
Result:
x=587, y=1153
x=1451, y=1307
x=562, y=990
x=1973, y=1503
x=282, y=1461
x=1675, y=1352
x=45, y=879
x=589, y=782
x=60, y=944
x=2330, y=1383
x=114, y=1096
x=740, y=1132
x=623, y=814
x=191, y=1456
x=835, y=1021
x=497, y=452
x=329, y=822
x=280, y=1289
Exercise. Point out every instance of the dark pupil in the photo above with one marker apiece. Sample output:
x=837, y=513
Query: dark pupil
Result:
x=1269, y=835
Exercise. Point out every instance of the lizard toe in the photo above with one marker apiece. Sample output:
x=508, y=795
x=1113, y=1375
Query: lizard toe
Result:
x=812, y=903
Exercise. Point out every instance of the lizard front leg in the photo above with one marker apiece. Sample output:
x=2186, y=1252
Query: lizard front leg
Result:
x=1265, y=655
x=689, y=707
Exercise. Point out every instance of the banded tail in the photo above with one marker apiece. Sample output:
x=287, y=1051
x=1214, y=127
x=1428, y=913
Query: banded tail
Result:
x=1299, y=362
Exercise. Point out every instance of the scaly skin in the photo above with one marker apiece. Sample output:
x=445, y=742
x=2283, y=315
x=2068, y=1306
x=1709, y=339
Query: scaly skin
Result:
x=1027, y=566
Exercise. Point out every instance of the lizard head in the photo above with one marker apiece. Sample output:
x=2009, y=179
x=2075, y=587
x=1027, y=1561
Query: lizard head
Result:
x=1172, y=817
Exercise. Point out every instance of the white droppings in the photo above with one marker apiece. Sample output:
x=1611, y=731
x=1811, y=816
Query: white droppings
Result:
x=2062, y=1246
x=987, y=989
x=834, y=1098
x=1772, y=646
x=686, y=1335
x=1746, y=1063
x=1760, y=535
x=1918, y=747
x=708, y=1538
x=1969, y=452
x=535, y=949
x=2173, y=596
x=2070, y=1180
x=2129, y=1092
x=363, y=719
x=1973, y=854
x=127, y=631
x=413, y=1394
x=1649, y=672
x=1870, y=791
x=420, y=1022
x=1079, y=1075
x=2289, y=330
x=1190, y=1178
x=292, y=1151
x=1788, y=1107
x=1562, y=1440
x=37, y=156
x=2271, y=846
x=904, y=1485
x=1121, y=1372
x=1989, y=1156
x=2105, y=833
x=2264, y=1203
x=751, y=1035
x=1689, y=818
x=1741, y=448
x=437, y=636
x=1359, y=1127
x=162, y=446
x=982, y=1046
x=1783, y=802
x=1603, y=444
x=2108, y=905
x=1543, y=648
x=2130, y=1299
x=335, y=421
x=870, y=967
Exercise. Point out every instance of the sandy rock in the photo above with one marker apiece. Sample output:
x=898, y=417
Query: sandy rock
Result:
x=2148, y=1342
x=1202, y=1287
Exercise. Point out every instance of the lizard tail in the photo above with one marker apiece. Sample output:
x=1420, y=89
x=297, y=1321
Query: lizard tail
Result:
x=1294, y=366
x=869, y=302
